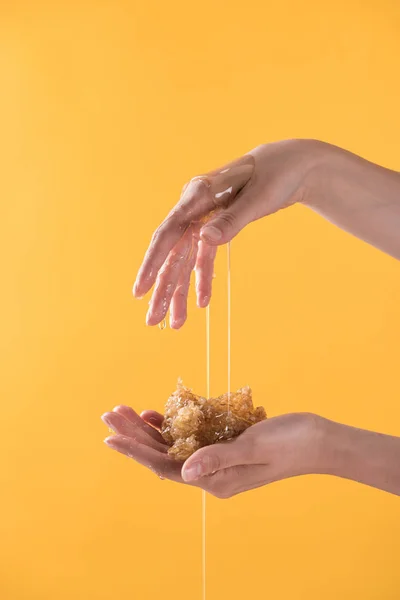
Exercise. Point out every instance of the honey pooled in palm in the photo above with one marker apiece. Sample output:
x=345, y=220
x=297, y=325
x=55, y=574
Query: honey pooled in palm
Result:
x=191, y=421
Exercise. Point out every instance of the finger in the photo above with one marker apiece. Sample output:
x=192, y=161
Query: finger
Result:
x=235, y=480
x=204, y=273
x=226, y=224
x=195, y=203
x=158, y=462
x=168, y=278
x=217, y=457
x=200, y=197
x=132, y=416
x=122, y=426
x=178, y=313
x=153, y=418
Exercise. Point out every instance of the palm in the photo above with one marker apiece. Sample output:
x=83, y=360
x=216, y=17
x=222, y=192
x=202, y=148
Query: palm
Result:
x=265, y=452
x=138, y=438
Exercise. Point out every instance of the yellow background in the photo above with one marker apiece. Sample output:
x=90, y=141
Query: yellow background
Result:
x=106, y=108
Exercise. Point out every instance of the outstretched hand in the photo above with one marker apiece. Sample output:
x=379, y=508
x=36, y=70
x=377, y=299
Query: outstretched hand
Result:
x=212, y=210
x=269, y=451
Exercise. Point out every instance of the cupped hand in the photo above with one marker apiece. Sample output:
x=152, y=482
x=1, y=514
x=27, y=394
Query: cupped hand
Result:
x=139, y=438
x=275, y=449
x=213, y=209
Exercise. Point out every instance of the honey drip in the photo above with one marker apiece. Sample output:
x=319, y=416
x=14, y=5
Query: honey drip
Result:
x=192, y=421
x=163, y=324
x=203, y=493
x=228, y=260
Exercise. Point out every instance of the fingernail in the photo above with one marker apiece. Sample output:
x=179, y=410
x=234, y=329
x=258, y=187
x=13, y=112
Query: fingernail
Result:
x=154, y=424
x=193, y=472
x=176, y=323
x=211, y=233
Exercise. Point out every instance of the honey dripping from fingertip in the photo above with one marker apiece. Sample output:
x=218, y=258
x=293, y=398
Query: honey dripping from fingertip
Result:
x=163, y=324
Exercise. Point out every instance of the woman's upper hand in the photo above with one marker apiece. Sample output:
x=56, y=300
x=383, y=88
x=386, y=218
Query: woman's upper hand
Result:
x=274, y=449
x=354, y=194
x=213, y=209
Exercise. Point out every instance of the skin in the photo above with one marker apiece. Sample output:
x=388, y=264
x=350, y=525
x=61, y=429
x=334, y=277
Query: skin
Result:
x=279, y=448
x=356, y=195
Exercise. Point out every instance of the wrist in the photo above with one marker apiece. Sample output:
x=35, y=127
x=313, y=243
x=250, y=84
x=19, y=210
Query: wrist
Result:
x=320, y=440
x=322, y=159
x=359, y=455
x=309, y=444
x=322, y=446
x=329, y=447
x=339, y=450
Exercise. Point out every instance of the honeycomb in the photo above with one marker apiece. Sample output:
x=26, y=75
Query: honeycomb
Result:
x=191, y=421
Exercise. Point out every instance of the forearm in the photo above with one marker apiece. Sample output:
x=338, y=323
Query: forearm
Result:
x=364, y=456
x=357, y=196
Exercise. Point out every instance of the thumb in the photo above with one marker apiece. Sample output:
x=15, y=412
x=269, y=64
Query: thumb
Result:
x=225, y=225
x=217, y=457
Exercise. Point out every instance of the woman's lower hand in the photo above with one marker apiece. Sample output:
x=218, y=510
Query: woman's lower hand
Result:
x=275, y=449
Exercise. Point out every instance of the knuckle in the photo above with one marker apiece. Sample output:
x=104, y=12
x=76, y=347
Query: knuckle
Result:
x=213, y=463
x=227, y=218
x=181, y=291
x=195, y=190
x=200, y=179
